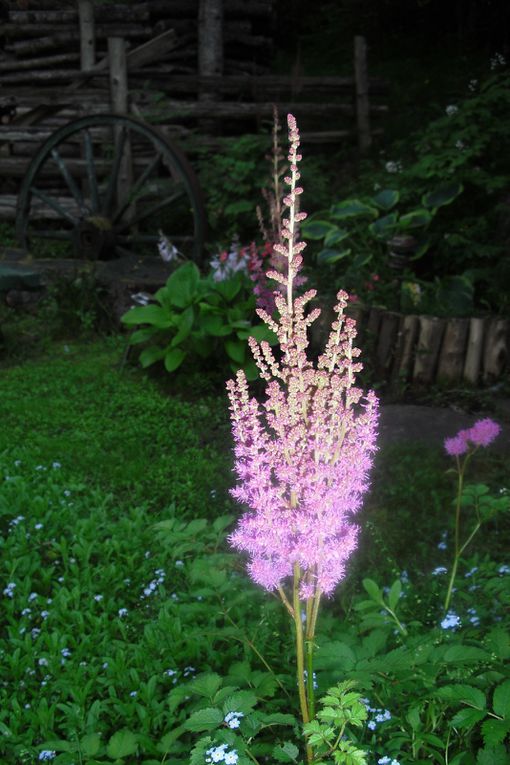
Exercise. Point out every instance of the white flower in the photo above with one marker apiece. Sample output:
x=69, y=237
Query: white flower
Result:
x=98, y=598
x=9, y=590
x=451, y=621
x=497, y=60
x=167, y=250
x=66, y=653
x=451, y=109
x=393, y=167
x=504, y=569
x=231, y=758
x=56, y=465
x=233, y=719
x=122, y=612
x=439, y=570
x=472, y=85
x=39, y=526
x=133, y=694
x=141, y=298
x=43, y=662
x=179, y=563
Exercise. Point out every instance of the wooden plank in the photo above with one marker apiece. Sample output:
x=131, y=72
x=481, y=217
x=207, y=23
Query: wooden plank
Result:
x=385, y=346
x=474, y=351
x=496, y=354
x=87, y=34
x=38, y=63
x=453, y=350
x=405, y=345
x=427, y=349
x=138, y=12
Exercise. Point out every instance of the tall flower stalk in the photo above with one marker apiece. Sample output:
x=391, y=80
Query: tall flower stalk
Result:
x=302, y=457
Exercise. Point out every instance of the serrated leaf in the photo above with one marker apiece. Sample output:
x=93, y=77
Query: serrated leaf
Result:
x=464, y=694
x=204, y=719
x=240, y=701
x=494, y=755
x=122, y=744
x=466, y=718
x=90, y=744
x=287, y=752
x=465, y=653
x=334, y=655
x=501, y=700
x=206, y=685
x=495, y=731
x=277, y=718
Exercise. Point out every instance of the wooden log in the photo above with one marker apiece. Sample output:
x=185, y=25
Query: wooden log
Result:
x=87, y=34
x=405, y=345
x=496, y=348
x=453, y=350
x=474, y=351
x=427, y=349
x=385, y=345
x=68, y=39
x=119, y=104
x=189, y=8
x=239, y=110
x=42, y=62
x=138, y=12
x=362, y=99
x=210, y=52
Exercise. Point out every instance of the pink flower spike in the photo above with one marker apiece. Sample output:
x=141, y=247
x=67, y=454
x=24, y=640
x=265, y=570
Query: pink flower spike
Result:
x=484, y=432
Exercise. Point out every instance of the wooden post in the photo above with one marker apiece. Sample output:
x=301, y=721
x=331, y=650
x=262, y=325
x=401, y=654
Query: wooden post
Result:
x=427, y=349
x=453, y=350
x=210, y=51
x=119, y=105
x=474, y=351
x=385, y=348
x=87, y=34
x=495, y=355
x=362, y=97
x=404, y=352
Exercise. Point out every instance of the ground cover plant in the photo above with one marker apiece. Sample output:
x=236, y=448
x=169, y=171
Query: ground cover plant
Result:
x=131, y=633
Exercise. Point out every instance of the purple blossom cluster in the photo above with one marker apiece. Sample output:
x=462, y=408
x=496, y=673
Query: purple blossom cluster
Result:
x=303, y=456
x=482, y=433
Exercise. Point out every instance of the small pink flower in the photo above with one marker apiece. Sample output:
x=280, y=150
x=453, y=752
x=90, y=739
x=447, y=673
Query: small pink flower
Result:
x=482, y=433
x=457, y=445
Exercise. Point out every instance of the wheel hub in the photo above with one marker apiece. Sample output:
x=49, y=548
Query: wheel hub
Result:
x=93, y=238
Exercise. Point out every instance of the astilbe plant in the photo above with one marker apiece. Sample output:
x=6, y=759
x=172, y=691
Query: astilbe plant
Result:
x=303, y=456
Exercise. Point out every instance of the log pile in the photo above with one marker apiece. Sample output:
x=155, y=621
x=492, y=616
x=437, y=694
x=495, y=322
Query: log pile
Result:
x=403, y=351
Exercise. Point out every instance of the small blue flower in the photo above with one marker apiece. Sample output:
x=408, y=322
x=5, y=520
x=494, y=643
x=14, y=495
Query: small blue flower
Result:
x=451, y=621
x=47, y=754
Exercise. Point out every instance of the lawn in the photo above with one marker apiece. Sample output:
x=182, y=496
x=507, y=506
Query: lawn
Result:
x=126, y=616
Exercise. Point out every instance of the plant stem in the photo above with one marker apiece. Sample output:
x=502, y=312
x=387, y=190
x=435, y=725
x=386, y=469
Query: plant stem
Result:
x=300, y=656
x=461, y=469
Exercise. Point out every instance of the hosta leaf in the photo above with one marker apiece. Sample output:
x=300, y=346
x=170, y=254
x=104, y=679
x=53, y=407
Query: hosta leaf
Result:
x=501, y=701
x=122, y=744
x=386, y=199
x=442, y=196
x=204, y=719
x=495, y=731
x=148, y=314
x=142, y=335
x=182, y=285
x=317, y=229
x=335, y=236
x=328, y=257
x=415, y=219
x=384, y=227
x=184, y=325
x=236, y=350
x=261, y=332
x=174, y=358
x=150, y=355
x=352, y=208
x=215, y=326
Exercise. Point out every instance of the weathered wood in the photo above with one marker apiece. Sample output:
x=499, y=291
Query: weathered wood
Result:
x=87, y=34
x=119, y=104
x=405, y=345
x=474, y=351
x=189, y=8
x=239, y=110
x=68, y=39
x=453, y=351
x=37, y=63
x=385, y=344
x=362, y=99
x=427, y=349
x=138, y=12
x=496, y=348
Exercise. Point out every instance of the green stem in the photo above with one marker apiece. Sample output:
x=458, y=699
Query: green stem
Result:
x=300, y=656
x=458, y=550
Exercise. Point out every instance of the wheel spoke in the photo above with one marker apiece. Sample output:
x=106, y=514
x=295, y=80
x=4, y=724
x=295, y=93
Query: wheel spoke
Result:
x=91, y=170
x=127, y=238
x=120, y=142
x=136, y=188
x=54, y=205
x=150, y=211
x=48, y=234
x=71, y=183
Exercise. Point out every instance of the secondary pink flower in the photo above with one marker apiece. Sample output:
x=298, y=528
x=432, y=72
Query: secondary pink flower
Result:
x=303, y=456
x=482, y=433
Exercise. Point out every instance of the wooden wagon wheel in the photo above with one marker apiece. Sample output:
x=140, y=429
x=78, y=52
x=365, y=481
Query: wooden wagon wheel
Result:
x=108, y=185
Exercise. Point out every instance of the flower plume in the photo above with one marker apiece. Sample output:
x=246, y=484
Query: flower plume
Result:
x=303, y=456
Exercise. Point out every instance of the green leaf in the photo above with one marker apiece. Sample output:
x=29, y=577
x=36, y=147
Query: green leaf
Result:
x=373, y=590
x=360, y=259
x=462, y=693
x=174, y=358
x=90, y=744
x=148, y=314
x=277, y=718
x=236, y=350
x=415, y=219
x=204, y=719
x=251, y=370
x=495, y=731
x=240, y=701
x=444, y=195
x=229, y=288
x=334, y=655
x=122, y=744
x=394, y=594
x=494, y=755
x=206, y=685
x=287, y=752
x=150, y=355
x=184, y=325
x=141, y=335
x=352, y=208
x=317, y=229
x=214, y=325
x=466, y=653
x=328, y=257
x=261, y=332
x=501, y=700
x=386, y=199
x=335, y=236
x=466, y=718
x=182, y=286
x=384, y=227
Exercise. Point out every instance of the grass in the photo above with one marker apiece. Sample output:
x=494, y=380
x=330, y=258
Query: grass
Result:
x=113, y=514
